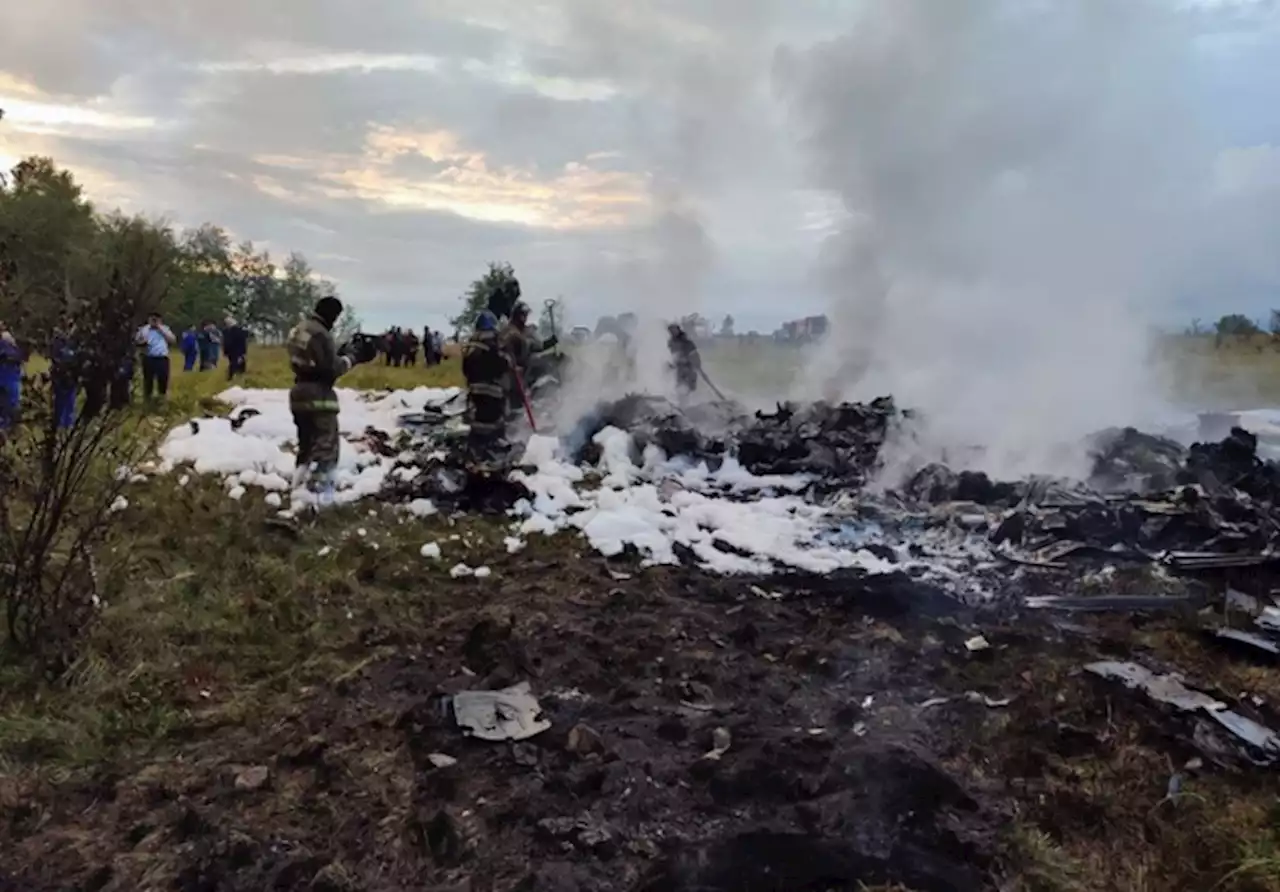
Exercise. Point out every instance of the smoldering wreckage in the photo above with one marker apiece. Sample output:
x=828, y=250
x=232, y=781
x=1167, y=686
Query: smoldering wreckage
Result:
x=760, y=771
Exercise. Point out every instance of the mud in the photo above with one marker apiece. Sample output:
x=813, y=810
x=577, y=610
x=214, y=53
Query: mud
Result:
x=791, y=733
x=827, y=781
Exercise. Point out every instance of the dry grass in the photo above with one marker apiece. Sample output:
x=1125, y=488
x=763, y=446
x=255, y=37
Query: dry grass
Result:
x=1088, y=764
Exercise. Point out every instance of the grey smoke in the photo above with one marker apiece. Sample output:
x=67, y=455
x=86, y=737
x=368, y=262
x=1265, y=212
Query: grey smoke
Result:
x=1027, y=185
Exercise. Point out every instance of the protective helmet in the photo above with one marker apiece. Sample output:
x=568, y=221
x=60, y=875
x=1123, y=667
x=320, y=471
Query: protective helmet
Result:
x=674, y=330
x=520, y=309
x=486, y=321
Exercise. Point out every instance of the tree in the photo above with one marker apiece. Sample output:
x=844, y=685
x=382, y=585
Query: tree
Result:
x=348, y=324
x=1236, y=325
x=726, y=327
x=46, y=226
x=56, y=242
x=551, y=319
x=203, y=279
x=498, y=287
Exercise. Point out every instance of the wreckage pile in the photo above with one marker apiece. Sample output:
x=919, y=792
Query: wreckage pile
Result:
x=1148, y=497
x=738, y=492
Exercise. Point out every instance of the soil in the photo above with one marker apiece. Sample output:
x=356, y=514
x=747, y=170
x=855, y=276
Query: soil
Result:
x=842, y=770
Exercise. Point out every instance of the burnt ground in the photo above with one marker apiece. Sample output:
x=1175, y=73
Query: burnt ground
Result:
x=254, y=714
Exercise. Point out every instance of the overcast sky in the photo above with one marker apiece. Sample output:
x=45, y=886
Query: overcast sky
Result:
x=620, y=154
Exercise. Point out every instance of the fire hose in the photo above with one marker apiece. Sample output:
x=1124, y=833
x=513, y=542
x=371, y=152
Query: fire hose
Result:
x=714, y=389
x=524, y=398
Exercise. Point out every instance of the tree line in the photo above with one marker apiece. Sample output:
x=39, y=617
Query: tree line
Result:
x=1235, y=325
x=55, y=241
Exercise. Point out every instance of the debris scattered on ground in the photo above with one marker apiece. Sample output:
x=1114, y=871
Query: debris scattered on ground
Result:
x=1112, y=603
x=509, y=714
x=1261, y=745
x=252, y=779
x=977, y=644
x=720, y=743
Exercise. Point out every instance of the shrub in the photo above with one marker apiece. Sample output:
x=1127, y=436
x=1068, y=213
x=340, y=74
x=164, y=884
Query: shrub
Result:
x=61, y=476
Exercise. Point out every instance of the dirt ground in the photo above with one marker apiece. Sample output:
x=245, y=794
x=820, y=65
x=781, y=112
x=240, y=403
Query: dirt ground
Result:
x=840, y=766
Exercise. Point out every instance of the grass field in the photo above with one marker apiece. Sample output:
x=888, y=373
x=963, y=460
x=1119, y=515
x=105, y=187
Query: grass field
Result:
x=1242, y=374
x=227, y=642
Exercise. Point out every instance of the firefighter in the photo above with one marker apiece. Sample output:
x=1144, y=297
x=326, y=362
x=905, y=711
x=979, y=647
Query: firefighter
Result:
x=317, y=364
x=685, y=360
x=487, y=369
x=521, y=344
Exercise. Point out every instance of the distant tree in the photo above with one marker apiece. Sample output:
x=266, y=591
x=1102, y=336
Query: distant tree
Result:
x=202, y=287
x=726, y=327
x=1195, y=329
x=348, y=324
x=498, y=286
x=47, y=227
x=1236, y=325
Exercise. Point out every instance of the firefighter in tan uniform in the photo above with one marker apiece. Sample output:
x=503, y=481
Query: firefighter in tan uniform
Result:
x=317, y=365
x=520, y=342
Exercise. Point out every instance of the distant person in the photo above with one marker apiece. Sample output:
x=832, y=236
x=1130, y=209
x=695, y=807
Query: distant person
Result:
x=155, y=338
x=437, y=340
x=122, y=384
x=210, y=346
x=63, y=374
x=428, y=347
x=10, y=378
x=235, y=343
x=397, y=347
x=190, y=348
x=410, y=348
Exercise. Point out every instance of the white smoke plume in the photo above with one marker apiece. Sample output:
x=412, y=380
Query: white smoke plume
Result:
x=1026, y=184
x=698, y=141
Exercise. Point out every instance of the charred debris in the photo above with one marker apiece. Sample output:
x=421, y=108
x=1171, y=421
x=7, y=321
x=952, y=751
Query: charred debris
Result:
x=1209, y=508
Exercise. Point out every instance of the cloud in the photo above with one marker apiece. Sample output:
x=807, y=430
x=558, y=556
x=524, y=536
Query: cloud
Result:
x=1247, y=170
x=451, y=177
x=618, y=154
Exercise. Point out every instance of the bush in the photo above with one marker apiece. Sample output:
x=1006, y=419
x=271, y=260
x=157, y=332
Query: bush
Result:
x=60, y=471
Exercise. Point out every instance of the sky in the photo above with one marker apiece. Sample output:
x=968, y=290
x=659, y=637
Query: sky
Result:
x=668, y=155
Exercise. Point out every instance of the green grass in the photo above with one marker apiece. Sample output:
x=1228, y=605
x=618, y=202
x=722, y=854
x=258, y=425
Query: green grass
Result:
x=269, y=367
x=1195, y=372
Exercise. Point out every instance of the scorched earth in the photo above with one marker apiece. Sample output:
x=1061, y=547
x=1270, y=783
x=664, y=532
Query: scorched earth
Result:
x=692, y=650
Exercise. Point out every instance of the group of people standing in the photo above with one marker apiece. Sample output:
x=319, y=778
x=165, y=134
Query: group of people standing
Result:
x=202, y=345
x=72, y=373
x=399, y=347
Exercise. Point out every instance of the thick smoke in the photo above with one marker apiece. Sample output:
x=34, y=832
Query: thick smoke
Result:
x=1025, y=185
x=701, y=75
